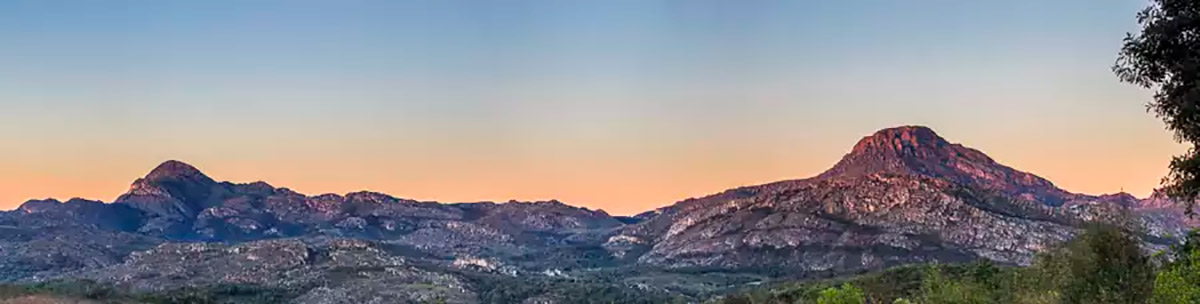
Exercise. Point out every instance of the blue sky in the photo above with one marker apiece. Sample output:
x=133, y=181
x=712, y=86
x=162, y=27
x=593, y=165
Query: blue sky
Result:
x=624, y=105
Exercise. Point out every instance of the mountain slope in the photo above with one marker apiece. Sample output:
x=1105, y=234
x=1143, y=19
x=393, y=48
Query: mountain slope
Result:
x=917, y=150
x=902, y=195
x=176, y=202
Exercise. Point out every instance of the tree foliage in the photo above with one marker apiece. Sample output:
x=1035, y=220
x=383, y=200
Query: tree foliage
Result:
x=1105, y=264
x=847, y=294
x=1179, y=279
x=1165, y=57
x=936, y=288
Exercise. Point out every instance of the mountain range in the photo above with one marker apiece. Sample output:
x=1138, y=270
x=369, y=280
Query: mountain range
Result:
x=901, y=195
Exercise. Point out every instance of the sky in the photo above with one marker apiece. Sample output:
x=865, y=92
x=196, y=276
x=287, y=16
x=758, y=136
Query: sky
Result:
x=620, y=105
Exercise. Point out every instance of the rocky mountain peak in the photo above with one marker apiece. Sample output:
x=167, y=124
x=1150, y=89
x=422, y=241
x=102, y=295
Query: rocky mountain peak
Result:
x=905, y=150
x=918, y=150
x=903, y=139
x=176, y=170
x=913, y=143
x=173, y=179
x=173, y=190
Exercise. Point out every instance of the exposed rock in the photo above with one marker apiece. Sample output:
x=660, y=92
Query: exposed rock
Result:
x=917, y=150
x=902, y=195
x=340, y=271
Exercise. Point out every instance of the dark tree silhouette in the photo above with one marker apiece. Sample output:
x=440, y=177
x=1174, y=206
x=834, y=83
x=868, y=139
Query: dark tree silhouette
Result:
x=1165, y=57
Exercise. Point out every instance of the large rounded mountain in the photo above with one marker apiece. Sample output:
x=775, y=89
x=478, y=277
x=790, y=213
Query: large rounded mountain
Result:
x=902, y=195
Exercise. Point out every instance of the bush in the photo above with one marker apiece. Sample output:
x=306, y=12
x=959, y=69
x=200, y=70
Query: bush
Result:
x=847, y=294
x=935, y=288
x=1105, y=264
x=1179, y=279
x=1102, y=265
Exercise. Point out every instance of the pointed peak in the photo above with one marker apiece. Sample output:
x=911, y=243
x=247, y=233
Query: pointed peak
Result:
x=918, y=150
x=173, y=169
x=902, y=138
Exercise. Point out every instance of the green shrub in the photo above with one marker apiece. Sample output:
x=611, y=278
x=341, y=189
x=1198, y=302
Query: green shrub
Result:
x=937, y=289
x=1179, y=279
x=1105, y=264
x=847, y=294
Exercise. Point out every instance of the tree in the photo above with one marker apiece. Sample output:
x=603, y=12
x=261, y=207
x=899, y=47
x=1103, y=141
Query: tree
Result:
x=1179, y=279
x=1165, y=57
x=848, y=294
x=1173, y=287
x=1104, y=264
x=937, y=289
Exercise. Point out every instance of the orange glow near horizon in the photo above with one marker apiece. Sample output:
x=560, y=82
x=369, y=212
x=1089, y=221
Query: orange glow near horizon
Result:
x=624, y=106
x=619, y=105
x=619, y=180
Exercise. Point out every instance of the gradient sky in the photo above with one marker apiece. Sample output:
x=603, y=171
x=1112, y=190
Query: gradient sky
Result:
x=620, y=105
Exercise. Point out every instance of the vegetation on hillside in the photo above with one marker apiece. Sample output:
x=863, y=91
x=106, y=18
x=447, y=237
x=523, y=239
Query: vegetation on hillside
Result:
x=103, y=293
x=1103, y=265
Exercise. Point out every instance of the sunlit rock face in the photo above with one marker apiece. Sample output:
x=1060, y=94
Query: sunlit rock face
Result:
x=916, y=150
x=901, y=195
x=849, y=224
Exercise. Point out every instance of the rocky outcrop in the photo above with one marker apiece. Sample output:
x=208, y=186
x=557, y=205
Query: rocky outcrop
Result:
x=902, y=195
x=338, y=271
x=176, y=202
x=182, y=203
x=917, y=150
x=81, y=212
x=29, y=252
